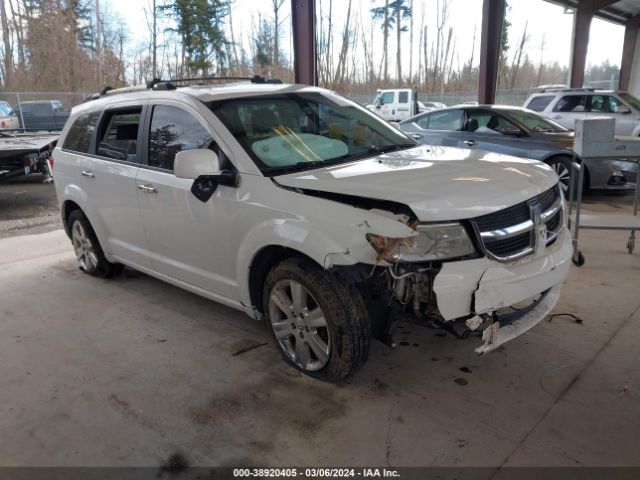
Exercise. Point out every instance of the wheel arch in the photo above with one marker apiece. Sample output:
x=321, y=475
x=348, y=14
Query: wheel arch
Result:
x=570, y=157
x=68, y=206
x=262, y=263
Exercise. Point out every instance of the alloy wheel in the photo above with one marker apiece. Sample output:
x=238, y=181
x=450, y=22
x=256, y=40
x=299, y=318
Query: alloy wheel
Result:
x=299, y=325
x=85, y=252
x=563, y=174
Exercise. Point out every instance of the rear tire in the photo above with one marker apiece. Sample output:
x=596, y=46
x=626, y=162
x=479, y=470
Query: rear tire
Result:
x=88, y=251
x=319, y=322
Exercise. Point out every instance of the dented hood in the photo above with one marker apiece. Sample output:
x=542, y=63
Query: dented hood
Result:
x=438, y=183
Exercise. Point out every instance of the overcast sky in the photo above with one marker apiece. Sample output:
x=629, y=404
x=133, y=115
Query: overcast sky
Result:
x=545, y=20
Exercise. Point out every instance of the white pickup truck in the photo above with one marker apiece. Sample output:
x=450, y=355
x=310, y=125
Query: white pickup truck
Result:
x=397, y=104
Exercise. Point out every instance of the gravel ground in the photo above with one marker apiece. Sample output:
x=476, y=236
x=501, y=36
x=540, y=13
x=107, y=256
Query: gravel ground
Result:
x=28, y=206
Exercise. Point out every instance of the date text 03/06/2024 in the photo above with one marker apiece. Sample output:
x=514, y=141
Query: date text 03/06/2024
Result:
x=315, y=473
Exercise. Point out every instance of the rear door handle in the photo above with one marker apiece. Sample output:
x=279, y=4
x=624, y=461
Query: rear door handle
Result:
x=147, y=188
x=470, y=143
x=87, y=173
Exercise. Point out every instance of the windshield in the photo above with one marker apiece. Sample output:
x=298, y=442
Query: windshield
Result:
x=633, y=101
x=536, y=123
x=300, y=131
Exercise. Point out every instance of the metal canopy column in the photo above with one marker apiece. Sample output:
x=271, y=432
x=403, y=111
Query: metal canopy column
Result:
x=581, y=26
x=628, y=51
x=304, y=41
x=492, y=17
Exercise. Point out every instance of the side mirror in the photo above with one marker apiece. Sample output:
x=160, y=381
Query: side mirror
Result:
x=195, y=163
x=203, y=167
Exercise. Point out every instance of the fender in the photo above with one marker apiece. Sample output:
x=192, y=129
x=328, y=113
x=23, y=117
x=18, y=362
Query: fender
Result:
x=76, y=194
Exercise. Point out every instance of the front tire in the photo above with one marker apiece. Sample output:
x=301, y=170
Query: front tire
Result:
x=318, y=321
x=88, y=251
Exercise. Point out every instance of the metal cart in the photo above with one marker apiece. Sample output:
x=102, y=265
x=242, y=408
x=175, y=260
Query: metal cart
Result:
x=599, y=221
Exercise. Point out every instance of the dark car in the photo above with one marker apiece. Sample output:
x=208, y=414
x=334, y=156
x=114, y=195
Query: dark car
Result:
x=42, y=115
x=519, y=132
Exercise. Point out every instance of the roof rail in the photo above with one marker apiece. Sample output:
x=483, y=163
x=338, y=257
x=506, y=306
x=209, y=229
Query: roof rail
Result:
x=158, y=84
x=566, y=89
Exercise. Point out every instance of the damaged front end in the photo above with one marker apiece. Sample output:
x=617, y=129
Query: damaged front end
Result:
x=439, y=277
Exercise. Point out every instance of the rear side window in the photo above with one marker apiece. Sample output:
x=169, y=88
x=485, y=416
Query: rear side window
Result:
x=403, y=97
x=444, y=120
x=174, y=130
x=119, y=135
x=538, y=104
x=571, y=103
x=79, y=137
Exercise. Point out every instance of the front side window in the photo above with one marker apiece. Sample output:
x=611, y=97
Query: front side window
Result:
x=445, y=120
x=535, y=122
x=387, y=97
x=174, y=130
x=571, y=103
x=617, y=106
x=118, y=137
x=306, y=130
x=79, y=136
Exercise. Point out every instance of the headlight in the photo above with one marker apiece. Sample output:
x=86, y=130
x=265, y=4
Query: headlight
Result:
x=433, y=242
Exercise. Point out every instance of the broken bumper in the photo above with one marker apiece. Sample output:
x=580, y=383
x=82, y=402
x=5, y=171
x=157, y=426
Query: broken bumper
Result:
x=482, y=286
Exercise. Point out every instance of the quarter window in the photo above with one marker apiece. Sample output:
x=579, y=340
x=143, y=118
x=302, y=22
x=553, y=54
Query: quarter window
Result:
x=79, y=136
x=174, y=130
x=119, y=135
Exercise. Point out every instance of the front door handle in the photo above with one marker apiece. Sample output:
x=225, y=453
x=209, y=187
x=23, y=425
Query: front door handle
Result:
x=87, y=173
x=557, y=117
x=416, y=136
x=469, y=143
x=147, y=188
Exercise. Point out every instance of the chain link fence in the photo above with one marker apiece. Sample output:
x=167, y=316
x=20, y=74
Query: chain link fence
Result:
x=24, y=111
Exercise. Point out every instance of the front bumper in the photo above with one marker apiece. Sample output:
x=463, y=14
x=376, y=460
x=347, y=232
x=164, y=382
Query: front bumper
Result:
x=611, y=173
x=483, y=286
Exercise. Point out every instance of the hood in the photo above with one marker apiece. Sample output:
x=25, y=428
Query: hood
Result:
x=437, y=183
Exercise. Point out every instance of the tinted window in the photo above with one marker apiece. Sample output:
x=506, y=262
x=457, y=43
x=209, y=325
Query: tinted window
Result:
x=537, y=123
x=538, y=104
x=423, y=121
x=174, y=130
x=445, y=120
x=484, y=121
x=80, y=133
x=119, y=135
x=403, y=97
x=571, y=103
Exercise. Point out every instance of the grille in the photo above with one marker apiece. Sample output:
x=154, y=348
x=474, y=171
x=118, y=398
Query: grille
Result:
x=510, y=233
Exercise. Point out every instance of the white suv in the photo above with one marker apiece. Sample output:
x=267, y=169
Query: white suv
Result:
x=564, y=105
x=299, y=207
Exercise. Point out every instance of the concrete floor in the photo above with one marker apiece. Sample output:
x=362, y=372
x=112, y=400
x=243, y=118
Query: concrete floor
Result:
x=130, y=371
